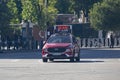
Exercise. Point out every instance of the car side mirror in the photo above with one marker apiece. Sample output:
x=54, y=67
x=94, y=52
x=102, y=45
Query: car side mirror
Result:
x=74, y=40
x=44, y=42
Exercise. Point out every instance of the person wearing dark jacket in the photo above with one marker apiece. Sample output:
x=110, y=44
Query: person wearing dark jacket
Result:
x=111, y=41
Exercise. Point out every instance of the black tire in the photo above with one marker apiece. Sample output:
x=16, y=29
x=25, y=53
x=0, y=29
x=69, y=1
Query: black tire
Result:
x=45, y=59
x=51, y=60
x=78, y=58
x=71, y=59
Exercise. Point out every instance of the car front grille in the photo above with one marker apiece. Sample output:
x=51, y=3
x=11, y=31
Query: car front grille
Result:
x=59, y=49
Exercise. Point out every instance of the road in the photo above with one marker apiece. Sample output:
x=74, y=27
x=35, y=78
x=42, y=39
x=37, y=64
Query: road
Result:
x=95, y=64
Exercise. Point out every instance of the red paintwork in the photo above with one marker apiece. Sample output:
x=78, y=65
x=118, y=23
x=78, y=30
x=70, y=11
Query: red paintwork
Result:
x=52, y=45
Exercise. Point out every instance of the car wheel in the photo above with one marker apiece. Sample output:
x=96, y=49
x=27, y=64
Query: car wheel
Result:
x=78, y=58
x=51, y=59
x=45, y=59
x=71, y=59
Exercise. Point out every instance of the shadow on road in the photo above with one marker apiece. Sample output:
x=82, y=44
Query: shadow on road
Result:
x=82, y=61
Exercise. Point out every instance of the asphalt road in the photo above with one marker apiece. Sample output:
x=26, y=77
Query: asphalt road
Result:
x=95, y=64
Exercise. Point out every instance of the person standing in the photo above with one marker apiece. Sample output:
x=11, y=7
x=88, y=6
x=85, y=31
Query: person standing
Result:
x=111, y=41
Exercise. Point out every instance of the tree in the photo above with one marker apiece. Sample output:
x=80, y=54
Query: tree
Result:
x=77, y=6
x=19, y=9
x=14, y=11
x=5, y=17
x=38, y=11
x=104, y=16
x=51, y=12
x=12, y=29
x=28, y=10
x=45, y=11
x=83, y=5
x=63, y=6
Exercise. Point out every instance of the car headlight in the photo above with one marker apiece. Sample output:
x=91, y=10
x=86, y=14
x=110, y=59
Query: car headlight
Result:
x=44, y=51
x=69, y=49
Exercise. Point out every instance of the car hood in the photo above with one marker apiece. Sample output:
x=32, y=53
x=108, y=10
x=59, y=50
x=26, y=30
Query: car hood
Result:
x=52, y=45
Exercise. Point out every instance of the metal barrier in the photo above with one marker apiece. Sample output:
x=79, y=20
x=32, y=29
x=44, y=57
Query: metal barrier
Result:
x=83, y=42
x=16, y=45
x=96, y=42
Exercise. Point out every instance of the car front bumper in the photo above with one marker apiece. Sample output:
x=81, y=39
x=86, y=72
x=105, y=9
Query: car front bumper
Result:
x=62, y=56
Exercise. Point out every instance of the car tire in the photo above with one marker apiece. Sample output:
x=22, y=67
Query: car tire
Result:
x=78, y=57
x=45, y=59
x=51, y=60
x=71, y=59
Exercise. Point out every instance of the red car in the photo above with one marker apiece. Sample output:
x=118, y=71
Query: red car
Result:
x=61, y=46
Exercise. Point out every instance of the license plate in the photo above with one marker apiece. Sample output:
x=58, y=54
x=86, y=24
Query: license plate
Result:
x=56, y=53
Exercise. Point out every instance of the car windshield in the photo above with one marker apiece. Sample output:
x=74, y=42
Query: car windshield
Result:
x=59, y=39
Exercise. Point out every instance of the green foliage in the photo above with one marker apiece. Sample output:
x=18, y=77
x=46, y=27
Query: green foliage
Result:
x=63, y=6
x=14, y=18
x=28, y=9
x=51, y=12
x=106, y=15
x=103, y=15
x=5, y=16
x=83, y=5
x=38, y=12
x=13, y=10
x=8, y=15
x=19, y=9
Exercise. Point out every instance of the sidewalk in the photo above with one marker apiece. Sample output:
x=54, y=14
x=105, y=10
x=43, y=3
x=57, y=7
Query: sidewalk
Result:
x=18, y=51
